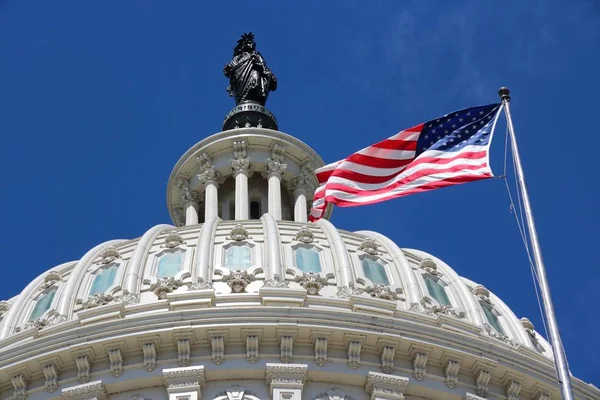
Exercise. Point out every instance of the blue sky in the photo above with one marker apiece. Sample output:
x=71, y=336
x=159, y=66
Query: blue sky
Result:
x=99, y=99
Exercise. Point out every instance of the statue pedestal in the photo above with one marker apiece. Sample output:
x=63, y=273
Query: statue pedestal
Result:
x=249, y=114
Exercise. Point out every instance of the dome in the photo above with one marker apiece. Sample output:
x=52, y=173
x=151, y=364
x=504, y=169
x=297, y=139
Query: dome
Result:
x=238, y=295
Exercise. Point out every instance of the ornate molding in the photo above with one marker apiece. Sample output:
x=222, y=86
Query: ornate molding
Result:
x=482, y=380
x=238, y=280
x=286, y=373
x=388, y=353
x=173, y=239
x=93, y=390
x=184, y=352
x=382, y=292
x=512, y=389
x=369, y=246
x=430, y=267
x=305, y=235
x=149, y=351
x=451, y=372
x=239, y=233
x=184, y=379
x=321, y=351
x=344, y=292
x=128, y=298
x=383, y=386
x=96, y=300
x=50, y=377
x=218, y=349
x=200, y=284
x=312, y=282
x=276, y=282
x=286, y=348
x=83, y=369
x=354, y=348
x=419, y=365
x=163, y=286
x=334, y=394
x=19, y=384
x=115, y=359
x=252, y=348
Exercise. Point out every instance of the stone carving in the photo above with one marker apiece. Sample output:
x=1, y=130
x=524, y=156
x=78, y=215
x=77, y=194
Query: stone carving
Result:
x=242, y=165
x=512, y=390
x=188, y=377
x=482, y=379
x=98, y=299
x=435, y=309
x=287, y=349
x=387, y=359
x=305, y=235
x=312, y=282
x=83, y=369
x=344, y=292
x=115, y=359
x=497, y=335
x=218, y=349
x=321, y=351
x=250, y=80
x=128, y=298
x=51, y=378
x=149, y=352
x=173, y=240
x=200, y=284
x=354, y=354
x=51, y=278
x=483, y=294
x=4, y=307
x=273, y=168
x=306, y=181
x=369, y=246
x=208, y=173
x=530, y=329
x=238, y=280
x=430, y=266
x=386, y=386
x=252, y=348
x=284, y=373
x=239, y=233
x=94, y=390
x=165, y=285
x=382, y=292
x=179, y=216
x=19, y=387
x=419, y=364
x=276, y=282
x=109, y=255
x=239, y=149
x=51, y=318
x=184, y=352
x=236, y=393
x=451, y=373
x=187, y=195
x=334, y=394
x=542, y=396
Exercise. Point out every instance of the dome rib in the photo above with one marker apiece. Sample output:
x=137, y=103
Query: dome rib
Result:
x=203, y=264
x=133, y=278
x=412, y=289
x=341, y=259
x=67, y=298
x=273, y=248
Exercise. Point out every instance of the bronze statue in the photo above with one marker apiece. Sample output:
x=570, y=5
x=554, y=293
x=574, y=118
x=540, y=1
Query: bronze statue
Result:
x=250, y=80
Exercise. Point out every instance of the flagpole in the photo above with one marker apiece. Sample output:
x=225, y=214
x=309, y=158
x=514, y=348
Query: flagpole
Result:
x=560, y=359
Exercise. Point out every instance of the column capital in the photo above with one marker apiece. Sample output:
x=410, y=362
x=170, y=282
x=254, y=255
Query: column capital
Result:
x=242, y=166
x=88, y=391
x=211, y=175
x=305, y=182
x=185, y=379
x=386, y=387
x=274, y=168
x=187, y=195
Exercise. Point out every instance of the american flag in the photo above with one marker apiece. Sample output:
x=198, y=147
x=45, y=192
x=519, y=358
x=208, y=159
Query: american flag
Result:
x=442, y=152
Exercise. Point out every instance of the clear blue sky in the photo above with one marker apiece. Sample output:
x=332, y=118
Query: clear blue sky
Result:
x=99, y=99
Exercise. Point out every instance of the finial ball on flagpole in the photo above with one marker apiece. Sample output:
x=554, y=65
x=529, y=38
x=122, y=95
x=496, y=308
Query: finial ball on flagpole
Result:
x=504, y=93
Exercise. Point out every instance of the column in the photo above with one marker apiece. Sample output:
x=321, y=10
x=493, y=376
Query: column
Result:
x=303, y=186
x=190, y=202
x=184, y=383
x=211, y=178
x=241, y=173
x=274, y=169
x=286, y=380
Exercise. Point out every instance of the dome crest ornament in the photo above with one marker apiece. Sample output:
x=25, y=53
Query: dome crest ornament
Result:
x=4, y=307
x=109, y=255
x=239, y=233
x=430, y=266
x=383, y=292
x=173, y=240
x=312, y=282
x=483, y=294
x=369, y=246
x=305, y=235
x=96, y=300
x=51, y=278
x=238, y=280
x=163, y=286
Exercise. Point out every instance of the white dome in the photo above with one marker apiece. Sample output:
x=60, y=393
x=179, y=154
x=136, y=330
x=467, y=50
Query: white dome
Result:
x=379, y=308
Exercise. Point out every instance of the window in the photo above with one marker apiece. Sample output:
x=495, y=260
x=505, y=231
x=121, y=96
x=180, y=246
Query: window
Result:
x=42, y=305
x=103, y=280
x=437, y=291
x=169, y=264
x=238, y=257
x=492, y=319
x=254, y=210
x=374, y=271
x=307, y=260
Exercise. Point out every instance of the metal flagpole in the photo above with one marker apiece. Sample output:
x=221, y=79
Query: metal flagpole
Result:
x=560, y=359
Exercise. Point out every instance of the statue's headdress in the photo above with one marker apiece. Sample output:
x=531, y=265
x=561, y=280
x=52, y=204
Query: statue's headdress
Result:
x=246, y=39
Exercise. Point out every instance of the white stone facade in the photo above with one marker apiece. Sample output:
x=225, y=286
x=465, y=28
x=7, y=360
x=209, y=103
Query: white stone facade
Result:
x=270, y=308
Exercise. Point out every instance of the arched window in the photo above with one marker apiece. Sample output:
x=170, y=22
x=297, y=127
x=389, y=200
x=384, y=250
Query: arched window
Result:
x=238, y=258
x=307, y=260
x=492, y=319
x=437, y=291
x=103, y=280
x=169, y=264
x=374, y=271
x=42, y=305
x=254, y=210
